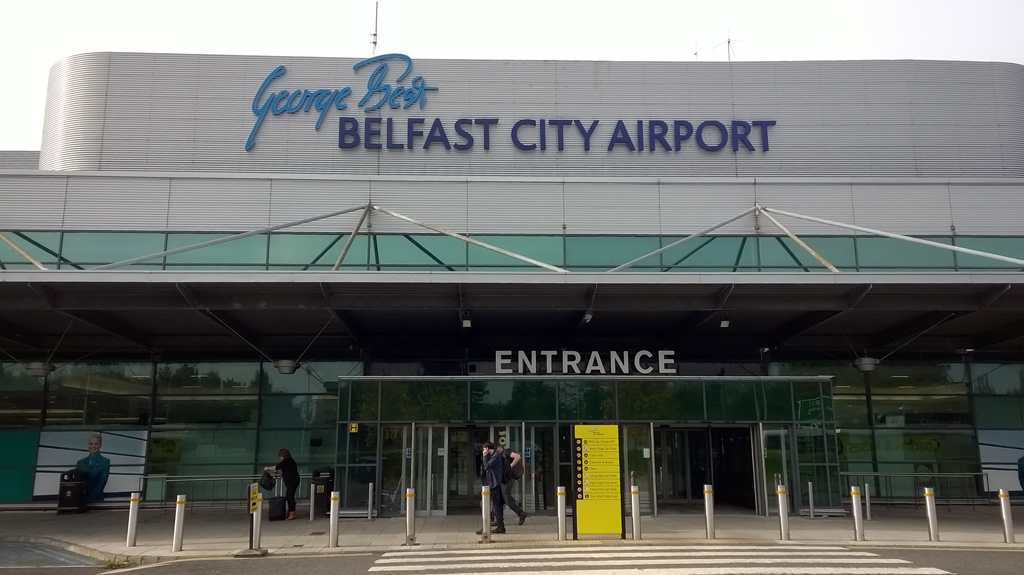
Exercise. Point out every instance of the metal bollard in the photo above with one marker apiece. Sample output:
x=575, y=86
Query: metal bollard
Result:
x=312, y=500
x=1004, y=506
x=369, y=504
x=257, y=522
x=634, y=495
x=783, y=512
x=410, y=516
x=561, y=512
x=867, y=502
x=335, y=505
x=485, y=511
x=810, y=500
x=709, y=510
x=933, y=520
x=133, y=519
x=179, y=523
x=858, y=519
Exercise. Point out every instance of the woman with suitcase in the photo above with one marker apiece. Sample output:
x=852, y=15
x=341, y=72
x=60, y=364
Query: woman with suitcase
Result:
x=290, y=474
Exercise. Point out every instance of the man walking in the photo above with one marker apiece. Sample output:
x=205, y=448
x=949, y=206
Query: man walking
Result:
x=511, y=461
x=493, y=469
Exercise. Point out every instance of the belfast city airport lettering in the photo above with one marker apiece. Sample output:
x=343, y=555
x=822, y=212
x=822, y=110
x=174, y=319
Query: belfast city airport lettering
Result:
x=528, y=362
x=526, y=134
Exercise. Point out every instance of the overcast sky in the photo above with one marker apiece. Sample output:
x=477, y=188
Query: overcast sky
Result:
x=37, y=34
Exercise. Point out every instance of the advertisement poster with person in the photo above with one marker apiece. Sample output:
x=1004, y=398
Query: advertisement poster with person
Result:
x=112, y=462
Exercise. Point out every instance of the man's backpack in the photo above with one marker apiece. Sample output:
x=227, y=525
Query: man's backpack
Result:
x=506, y=467
x=519, y=469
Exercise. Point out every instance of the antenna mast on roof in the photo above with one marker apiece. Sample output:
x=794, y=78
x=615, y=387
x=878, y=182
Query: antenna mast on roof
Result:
x=695, y=52
x=728, y=46
x=376, y=11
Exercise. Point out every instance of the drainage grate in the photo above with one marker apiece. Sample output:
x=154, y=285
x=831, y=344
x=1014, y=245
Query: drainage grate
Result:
x=318, y=533
x=299, y=545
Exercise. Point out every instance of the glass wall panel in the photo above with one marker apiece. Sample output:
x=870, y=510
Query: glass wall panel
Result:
x=21, y=397
x=661, y=400
x=713, y=253
x=586, y=400
x=95, y=248
x=999, y=412
x=851, y=411
x=298, y=411
x=318, y=251
x=731, y=400
x=171, y=448
x=102, y=379
x=312, y=377
x=997, y=378
x=250, y=250
x=230, y=410
x=98, y=411
x=846, y=379
x=604, y=252
x=511, y=400
x=920, y=410
x=925, y=446
x=418, y=251
x=365, y=400
x=855, y=446
x=547, y=249
x=808, y=402
x=310, y=447
x=906, y=378
x=212, y=378
x=43, y=246
x=423, y=400
x=774, y=401
x=876, y=252
x=782, y=252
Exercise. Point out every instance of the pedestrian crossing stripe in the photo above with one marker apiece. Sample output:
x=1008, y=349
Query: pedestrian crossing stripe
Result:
x=750, y=571
x=505, y=564
x=625, y=554
x=598, y=548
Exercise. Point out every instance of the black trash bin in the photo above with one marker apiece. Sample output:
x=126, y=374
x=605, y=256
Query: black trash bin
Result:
x=323, y=485
x=71, y=496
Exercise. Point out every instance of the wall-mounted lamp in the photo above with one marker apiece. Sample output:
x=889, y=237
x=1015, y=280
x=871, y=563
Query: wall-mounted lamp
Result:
x=286, y=366
x=39, y=368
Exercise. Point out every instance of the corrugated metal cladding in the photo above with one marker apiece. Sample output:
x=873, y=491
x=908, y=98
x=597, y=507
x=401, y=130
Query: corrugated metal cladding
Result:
x=481, y=206
x=19, y=160
x=181, y=113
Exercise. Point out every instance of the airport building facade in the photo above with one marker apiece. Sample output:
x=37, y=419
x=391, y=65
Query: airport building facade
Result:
x=764, y=273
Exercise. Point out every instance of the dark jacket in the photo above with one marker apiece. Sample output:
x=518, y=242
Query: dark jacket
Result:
x=289, y=472
x=493, y=470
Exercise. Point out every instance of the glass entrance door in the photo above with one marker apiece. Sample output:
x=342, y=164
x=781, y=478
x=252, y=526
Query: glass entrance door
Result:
x=686, y=459
x=429, y=468
x=463, y=468
x=777, y=465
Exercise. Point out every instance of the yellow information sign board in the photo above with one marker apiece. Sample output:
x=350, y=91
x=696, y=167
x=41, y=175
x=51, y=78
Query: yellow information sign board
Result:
x=254, y=491
x=598, y=480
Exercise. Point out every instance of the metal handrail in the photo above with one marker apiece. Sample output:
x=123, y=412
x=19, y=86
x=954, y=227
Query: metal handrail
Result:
x=188, y=489
x=968, y=483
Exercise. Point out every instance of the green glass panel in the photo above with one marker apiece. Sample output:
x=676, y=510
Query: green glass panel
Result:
x=512, y=400
x=43, y=246
x=18, y=466
x=109, y=247
x=913, y=446
x=13, y=377
x=98, y=411
x=722, y=253
x=21, y=397
x=365, y=400
x=731, y=401
x=586, y=400
x=362, y=445
x=807, y=401
x=1010, y=247
x=775, y=401
x=419, y=250
x=845, y=378
x=910, y=378
x=920, y=410
x=310, y=249
x=547, y=249
x=250, y=250
x=999, y=412
x=171, y=448
x=854, y=445
x=608, y=251
x=102, y=379
x=851, y=411
x=997, y=378
x=298, y=411
x=810, y=443
x=311, y=377
x=206, y=410
x=423, y=401
x=307, y=446
x=661, y=400
x=783, y=252
x=212, y=378
x=891, y=253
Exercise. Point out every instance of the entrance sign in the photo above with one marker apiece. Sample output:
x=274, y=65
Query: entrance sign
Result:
x=598, y=501
x=254, y=490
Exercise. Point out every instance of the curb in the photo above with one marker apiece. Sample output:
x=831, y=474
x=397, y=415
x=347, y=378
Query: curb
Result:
x=89, y=551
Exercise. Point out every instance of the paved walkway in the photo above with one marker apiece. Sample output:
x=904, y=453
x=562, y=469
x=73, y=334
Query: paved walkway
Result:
x=101, y=534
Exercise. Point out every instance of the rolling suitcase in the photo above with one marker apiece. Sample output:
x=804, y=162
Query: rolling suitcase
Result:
x=278, y=505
